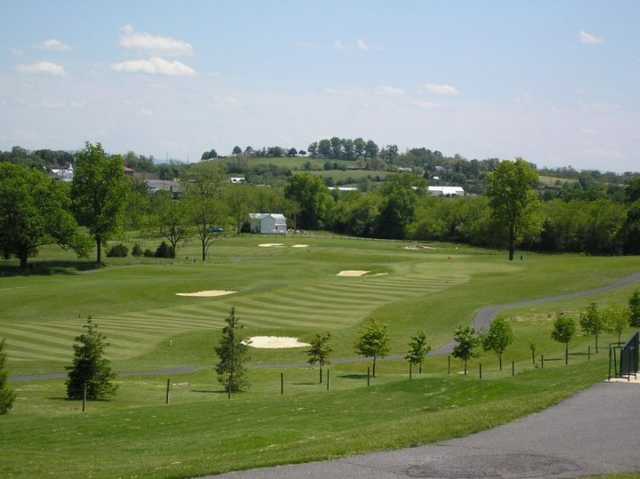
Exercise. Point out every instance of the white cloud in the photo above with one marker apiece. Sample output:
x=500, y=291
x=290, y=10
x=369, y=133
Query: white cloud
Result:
x=441, y=89
x=154, y=66
x=53, y=45
x=338, y=45
x=589, y=38
x=362, y=45
x=131, y=39
x=45, y=68
x=388, y=90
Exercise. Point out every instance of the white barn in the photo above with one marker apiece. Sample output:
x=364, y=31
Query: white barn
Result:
x=268, y=223
x=446, y=191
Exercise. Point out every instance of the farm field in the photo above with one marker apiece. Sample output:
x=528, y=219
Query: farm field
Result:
x=280, y=291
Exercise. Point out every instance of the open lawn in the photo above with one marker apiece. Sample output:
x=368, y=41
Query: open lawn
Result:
x=289, y=292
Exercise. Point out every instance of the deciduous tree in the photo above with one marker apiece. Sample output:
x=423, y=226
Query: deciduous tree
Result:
x=564, y=329
x=319, y=350
x=498, y=338
x=513, y=200
x=34, y=211
x=634, y=309
x=98, y=192
x=418, y=349
x=467, y=342
x=373, y=342
x=616, y=318
x=592, y=322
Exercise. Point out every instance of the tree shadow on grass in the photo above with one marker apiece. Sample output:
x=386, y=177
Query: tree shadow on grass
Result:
x=44, y=268
x=307, y=383
x=353, y=376
x=210, y=391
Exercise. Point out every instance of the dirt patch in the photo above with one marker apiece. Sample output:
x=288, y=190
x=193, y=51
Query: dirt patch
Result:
x=352, y=273
x=212, y=293
x=274, y=342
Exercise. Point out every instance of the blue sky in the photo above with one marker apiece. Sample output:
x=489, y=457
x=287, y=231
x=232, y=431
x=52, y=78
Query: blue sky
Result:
x=554, y=82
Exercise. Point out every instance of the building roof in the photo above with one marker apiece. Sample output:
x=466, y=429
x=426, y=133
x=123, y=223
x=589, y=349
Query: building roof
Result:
x=276, y=216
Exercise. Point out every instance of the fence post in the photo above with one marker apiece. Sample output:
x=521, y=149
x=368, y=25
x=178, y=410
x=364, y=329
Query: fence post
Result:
x=84, y=397
x=328, y=371
x=609, y=363
x=449, y=364
x=480, y=370
x=320, y=374
x=513, y=368
x=368, y=376
x=166, y=397
x=281, y=384
x=542, y=361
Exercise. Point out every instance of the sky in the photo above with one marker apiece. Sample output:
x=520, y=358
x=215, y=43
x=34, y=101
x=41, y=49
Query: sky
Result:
x=554, y=82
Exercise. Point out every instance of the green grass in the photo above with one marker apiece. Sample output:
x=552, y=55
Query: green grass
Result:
x=139, y=437
x=281, y=291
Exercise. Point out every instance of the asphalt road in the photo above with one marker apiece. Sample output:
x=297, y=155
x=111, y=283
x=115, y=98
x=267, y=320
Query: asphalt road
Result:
x=594, y=432
x=481, y=320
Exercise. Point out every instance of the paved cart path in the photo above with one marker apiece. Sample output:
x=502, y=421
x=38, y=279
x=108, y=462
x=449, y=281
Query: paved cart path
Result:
x=481, y=320
x=595, y=432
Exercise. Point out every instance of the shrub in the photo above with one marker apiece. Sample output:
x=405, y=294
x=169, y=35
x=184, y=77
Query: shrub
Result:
x=148, y=253
x=164, y=251
x=118, y=251
x=136, y=250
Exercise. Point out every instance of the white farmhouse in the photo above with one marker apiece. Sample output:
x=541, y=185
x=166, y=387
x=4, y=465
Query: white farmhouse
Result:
x=268, y=223
x=446, y=191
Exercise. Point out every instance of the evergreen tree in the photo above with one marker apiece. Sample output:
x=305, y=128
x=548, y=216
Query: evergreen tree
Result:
x=418, y=349
x=90, y=367
x=634, y=309
x=7, y=395
x=373, y=343
x=232, y=351
x=319, y=351
x=466, y=341
x=592, y=322
x=498, y=338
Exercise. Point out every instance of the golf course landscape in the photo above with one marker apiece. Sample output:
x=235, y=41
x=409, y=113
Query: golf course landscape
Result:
x=156, y=335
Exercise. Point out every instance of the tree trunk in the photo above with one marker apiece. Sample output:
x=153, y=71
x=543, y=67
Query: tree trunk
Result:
x=465, y=367
x=23, y=261
x=98, y=250
x=420, y=368
x=374, y=365
x=204, y=251
x=566, y=353
x=596, y=344
x=500, y=361
x=512, y=243
x=320, y=374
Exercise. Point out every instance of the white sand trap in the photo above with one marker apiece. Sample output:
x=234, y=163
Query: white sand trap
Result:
x=352, y=273
x=274, y=342
x=377, y=274
x=300, y=246
x=270, y=245
x=212, y=293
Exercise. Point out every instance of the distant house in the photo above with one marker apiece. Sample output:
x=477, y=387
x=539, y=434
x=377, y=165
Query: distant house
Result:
x=404, y=169
x=448, y=191
x=268, y=223
x=343, y=188
x=172, y=187
x=129, y=171
x=63, y=174
x=236, y=180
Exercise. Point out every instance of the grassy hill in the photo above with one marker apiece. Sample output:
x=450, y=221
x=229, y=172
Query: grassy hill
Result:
x=282, y=291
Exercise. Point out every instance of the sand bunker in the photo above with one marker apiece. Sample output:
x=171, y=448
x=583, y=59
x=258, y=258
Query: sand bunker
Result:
x=270, y=245
x=377, y=274
x=352, y=273
x=300, y=246
x=274, y=342
x=212, y=293
x=419, y=246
